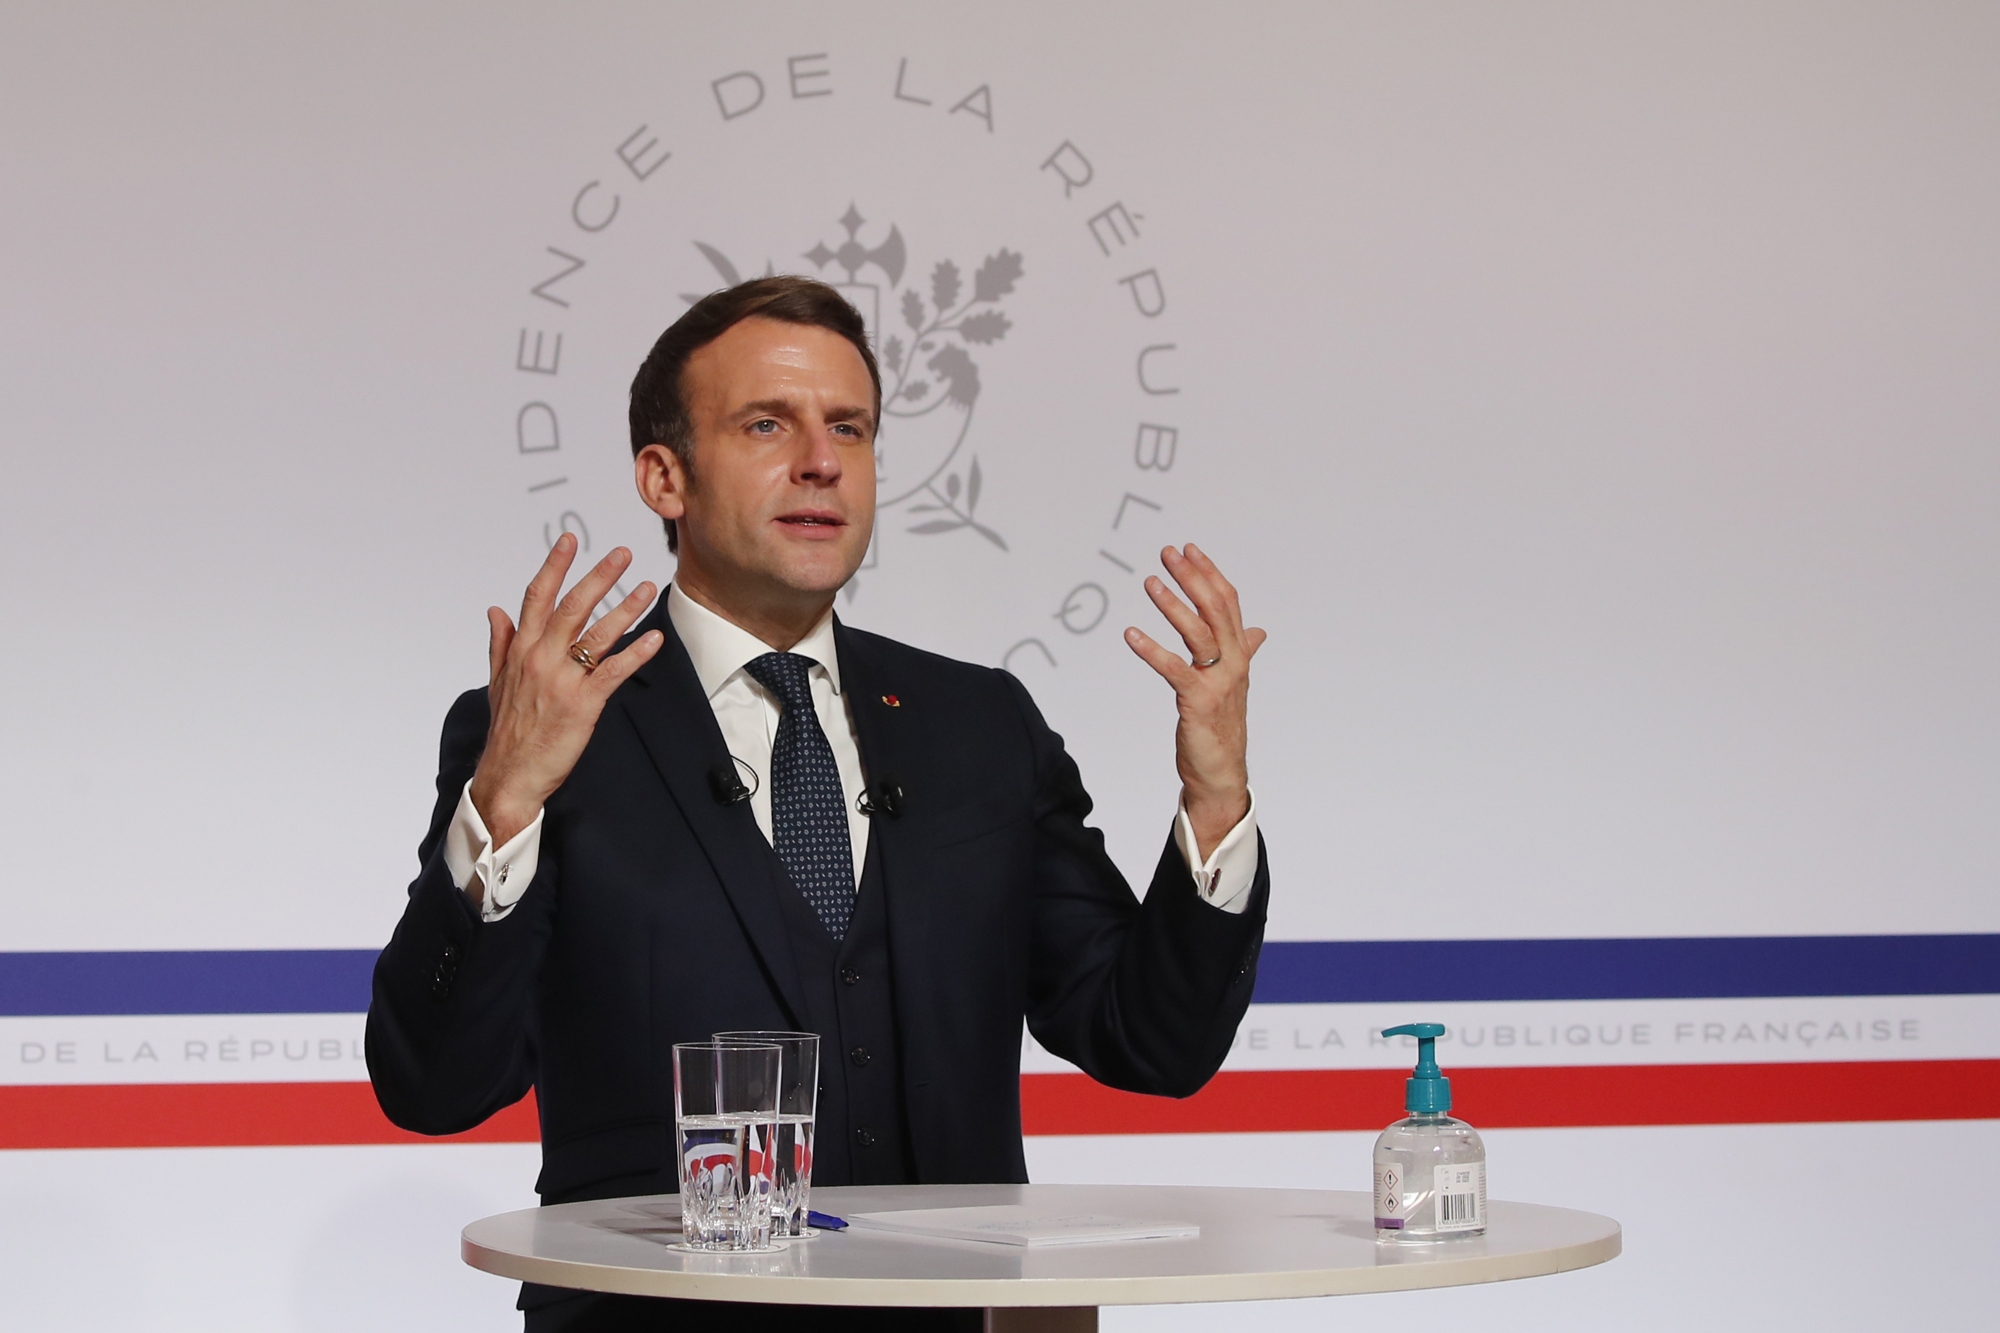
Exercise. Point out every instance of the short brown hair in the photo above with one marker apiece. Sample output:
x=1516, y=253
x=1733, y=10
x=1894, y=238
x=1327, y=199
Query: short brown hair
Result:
x=659, y=412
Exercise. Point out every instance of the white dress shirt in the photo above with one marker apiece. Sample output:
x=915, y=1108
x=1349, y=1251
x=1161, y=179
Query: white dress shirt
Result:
x=748, y=715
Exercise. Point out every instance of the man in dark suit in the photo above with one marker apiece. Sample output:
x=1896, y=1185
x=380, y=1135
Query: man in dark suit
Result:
x=739, y=813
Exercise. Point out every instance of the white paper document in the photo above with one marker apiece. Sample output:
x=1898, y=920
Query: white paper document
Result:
x=1019, y=1224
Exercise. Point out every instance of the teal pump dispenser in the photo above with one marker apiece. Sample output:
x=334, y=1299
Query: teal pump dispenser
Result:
x=1430, y=1170
x=1428, y=1090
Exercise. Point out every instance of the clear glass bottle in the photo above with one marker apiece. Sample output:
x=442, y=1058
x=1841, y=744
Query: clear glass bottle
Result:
x=1430, y=1170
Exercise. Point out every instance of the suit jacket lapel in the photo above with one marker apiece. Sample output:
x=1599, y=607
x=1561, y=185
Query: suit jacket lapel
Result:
x=678, y=730
x=890, y=741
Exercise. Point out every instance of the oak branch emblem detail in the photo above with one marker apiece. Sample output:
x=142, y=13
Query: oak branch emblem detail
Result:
x=930, y=372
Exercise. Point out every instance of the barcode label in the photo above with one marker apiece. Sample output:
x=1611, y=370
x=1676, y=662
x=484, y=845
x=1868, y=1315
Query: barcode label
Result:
x=1461, y=1197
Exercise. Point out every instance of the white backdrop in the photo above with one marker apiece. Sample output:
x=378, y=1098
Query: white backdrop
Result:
x=1596, y=405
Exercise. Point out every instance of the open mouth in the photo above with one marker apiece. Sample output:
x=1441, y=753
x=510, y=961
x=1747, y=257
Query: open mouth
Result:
x=812, y=520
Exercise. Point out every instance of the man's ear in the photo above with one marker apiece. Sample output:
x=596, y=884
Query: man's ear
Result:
x=662, y=480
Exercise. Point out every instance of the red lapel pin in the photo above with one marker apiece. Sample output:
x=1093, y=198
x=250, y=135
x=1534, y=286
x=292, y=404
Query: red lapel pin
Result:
x=892, y=701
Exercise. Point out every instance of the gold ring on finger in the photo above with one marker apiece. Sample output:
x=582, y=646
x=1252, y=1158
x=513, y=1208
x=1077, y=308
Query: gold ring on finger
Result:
x=582, y=656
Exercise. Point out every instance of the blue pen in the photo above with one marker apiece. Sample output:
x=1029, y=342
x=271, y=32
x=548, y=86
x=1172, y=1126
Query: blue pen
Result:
x=825, y=1221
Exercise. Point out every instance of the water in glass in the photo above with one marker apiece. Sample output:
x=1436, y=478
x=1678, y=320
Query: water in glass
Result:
x=727, y=1181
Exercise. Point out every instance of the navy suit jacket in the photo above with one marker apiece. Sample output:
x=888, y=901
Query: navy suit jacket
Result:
x=655, y=917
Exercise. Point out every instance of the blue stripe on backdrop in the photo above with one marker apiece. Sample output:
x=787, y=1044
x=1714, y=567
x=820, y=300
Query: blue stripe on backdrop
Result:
x=237, y=981
x=1338, y=972
x=321, y=981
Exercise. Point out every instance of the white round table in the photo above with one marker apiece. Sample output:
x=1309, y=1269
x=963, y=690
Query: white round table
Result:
x=1255, y=1244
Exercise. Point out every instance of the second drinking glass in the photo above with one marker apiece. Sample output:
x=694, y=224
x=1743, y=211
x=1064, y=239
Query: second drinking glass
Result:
x=798, y=1100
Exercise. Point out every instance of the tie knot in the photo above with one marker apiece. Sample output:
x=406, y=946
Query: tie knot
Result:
x=787, y=675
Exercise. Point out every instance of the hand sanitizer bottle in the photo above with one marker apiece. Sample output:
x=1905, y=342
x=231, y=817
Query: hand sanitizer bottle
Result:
x=1430, y=1170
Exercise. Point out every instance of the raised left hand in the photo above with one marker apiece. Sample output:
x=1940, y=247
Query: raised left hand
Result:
x=1211, y=689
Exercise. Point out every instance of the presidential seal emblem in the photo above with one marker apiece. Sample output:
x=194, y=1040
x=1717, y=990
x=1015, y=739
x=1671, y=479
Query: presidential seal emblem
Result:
x=1026, y=453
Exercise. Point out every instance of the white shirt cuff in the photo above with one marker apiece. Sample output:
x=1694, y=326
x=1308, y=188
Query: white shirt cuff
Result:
x=1224, y=879
x=506, y=871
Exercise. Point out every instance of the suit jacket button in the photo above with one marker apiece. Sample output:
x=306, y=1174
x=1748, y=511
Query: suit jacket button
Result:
x=850, y=976
x=865, y=1137
x=860, y=1056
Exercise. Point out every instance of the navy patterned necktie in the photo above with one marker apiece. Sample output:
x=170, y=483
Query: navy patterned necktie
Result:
x=808, y=807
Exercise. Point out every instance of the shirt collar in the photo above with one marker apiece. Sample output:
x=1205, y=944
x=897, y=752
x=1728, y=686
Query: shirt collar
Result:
x=720, y=648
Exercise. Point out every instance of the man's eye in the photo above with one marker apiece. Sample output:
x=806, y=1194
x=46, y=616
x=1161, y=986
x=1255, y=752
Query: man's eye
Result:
x=764, y=427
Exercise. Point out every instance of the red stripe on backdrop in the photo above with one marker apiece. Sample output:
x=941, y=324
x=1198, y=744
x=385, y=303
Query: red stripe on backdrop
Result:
x=193, y=1115
x=222, y=1115
x=1253, y=1101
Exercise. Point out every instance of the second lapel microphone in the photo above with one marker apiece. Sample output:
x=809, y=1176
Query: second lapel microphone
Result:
x=884, y=796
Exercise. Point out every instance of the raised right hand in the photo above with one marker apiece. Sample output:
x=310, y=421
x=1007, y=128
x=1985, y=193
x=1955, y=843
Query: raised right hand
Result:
x=544, y=702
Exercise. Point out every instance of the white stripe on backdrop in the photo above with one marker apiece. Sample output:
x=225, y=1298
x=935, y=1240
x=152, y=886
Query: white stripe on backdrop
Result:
x=275, y=1048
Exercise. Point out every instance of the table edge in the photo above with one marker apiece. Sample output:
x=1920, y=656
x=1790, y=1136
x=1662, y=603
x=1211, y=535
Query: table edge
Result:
x=1014, y=1293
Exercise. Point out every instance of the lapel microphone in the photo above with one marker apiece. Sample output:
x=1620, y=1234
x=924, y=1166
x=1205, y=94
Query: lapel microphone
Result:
x=728, y=788
x=884, y=796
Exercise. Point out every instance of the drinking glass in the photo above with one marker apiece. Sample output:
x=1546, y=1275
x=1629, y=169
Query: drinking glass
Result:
x=798, y=1100
x=725, y=1122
